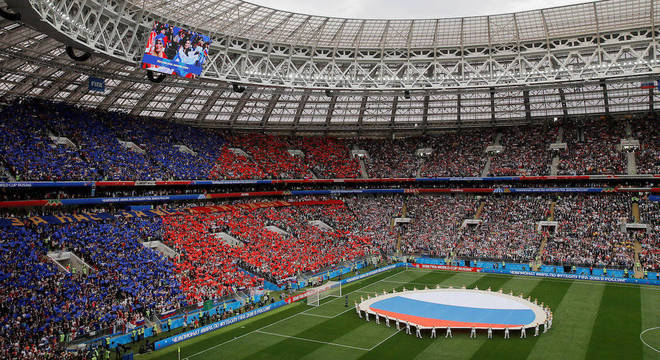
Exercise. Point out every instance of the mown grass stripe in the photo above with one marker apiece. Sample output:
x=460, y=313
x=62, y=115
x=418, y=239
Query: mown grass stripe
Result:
x=650, y=301
x=571, y=331
x=549, y=292
x=615, y=334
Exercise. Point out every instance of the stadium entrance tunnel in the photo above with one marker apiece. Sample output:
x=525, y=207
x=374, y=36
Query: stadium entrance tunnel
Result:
x=457, y=309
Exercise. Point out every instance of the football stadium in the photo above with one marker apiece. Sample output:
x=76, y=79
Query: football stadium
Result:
x=329, y=180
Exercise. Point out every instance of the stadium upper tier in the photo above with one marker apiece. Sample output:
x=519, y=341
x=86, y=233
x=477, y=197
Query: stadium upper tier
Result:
x=54, y=141
x=252, y=44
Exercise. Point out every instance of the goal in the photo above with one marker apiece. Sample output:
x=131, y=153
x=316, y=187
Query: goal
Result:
x=329, y=289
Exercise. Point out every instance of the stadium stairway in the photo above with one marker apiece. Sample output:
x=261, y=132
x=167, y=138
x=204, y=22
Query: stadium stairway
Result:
x=631, y=163
x=554, y=167
x=477, y=215
x=363, y=169
x=552, y=211
x=402, y=213
x=637, y=247
x=67, y=261
x=628, y=129
x=539, y=257
x=486, y=170
x=635, y=212
x=639, y=271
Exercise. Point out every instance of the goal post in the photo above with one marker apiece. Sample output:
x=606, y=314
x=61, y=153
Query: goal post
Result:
x=329, y=289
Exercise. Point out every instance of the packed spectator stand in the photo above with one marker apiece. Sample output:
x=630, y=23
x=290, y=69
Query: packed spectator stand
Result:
x=592, y=148
x=589, y=231
x=526, y=151
x=47, y=307
x=153, y=149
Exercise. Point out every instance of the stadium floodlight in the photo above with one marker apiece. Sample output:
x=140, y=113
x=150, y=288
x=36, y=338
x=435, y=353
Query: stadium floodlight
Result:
x=151, y=75
x=237, y=88
x=10, y=16
x=80, y=58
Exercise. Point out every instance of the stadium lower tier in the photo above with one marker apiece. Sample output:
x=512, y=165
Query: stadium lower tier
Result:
x=67, y=282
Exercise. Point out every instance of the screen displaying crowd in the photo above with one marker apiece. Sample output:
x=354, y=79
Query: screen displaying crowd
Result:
x=174, y=50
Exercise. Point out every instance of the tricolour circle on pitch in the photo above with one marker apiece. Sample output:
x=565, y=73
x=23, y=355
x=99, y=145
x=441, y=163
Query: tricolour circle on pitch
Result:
x=456, y=308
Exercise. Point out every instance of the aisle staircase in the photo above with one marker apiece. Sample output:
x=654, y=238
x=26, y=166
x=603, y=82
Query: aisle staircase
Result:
x=363, y=169
x=637, y=247
x=631, y=163
x=554, y=167
x=538, y=261
x=477, y=215
x=635, y=212
x=639, y=271
x=486, y=170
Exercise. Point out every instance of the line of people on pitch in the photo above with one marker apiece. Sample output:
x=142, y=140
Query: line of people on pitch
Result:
x=547, y=324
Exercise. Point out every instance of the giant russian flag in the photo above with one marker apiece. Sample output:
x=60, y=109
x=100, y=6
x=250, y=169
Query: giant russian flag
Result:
x=458, y=309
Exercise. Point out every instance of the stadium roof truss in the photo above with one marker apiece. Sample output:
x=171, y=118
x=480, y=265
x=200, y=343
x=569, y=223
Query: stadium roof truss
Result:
x=495, y=70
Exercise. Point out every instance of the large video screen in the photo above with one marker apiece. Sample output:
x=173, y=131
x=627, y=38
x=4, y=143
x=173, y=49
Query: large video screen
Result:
x=174, y=50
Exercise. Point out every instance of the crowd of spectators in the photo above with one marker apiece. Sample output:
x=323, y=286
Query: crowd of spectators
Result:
x=42, y=307
x=436, y=223
x=592, y=148
x=164, y=150
x=329, y=158
x=271, y=154
x=647, y=131
x=589, y=232
x=526, y=152
x=28, y=152
x=374, y=218
x=457, y=154
x=210, y=267
x=207, y=265
x=649, y=255
x=390, y=158
x=507, y=231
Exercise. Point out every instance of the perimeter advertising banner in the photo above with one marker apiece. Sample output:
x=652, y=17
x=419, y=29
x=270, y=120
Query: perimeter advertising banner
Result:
x=447, y=267
x=174, y=50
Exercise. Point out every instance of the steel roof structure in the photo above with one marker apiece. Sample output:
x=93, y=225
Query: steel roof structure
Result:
x=242, y=19
x=499, y=70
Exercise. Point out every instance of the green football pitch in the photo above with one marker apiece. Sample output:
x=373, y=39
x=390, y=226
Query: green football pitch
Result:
x=592, y=320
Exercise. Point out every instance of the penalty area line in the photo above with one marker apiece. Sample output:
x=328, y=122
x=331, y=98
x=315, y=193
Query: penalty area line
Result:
x=382, y=341
x=312, y=340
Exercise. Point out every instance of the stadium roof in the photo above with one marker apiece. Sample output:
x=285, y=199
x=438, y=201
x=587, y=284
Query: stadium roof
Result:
x=33, y=63
x=243, y=19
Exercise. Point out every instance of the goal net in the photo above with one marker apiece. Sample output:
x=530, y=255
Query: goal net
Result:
x=329, y=289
